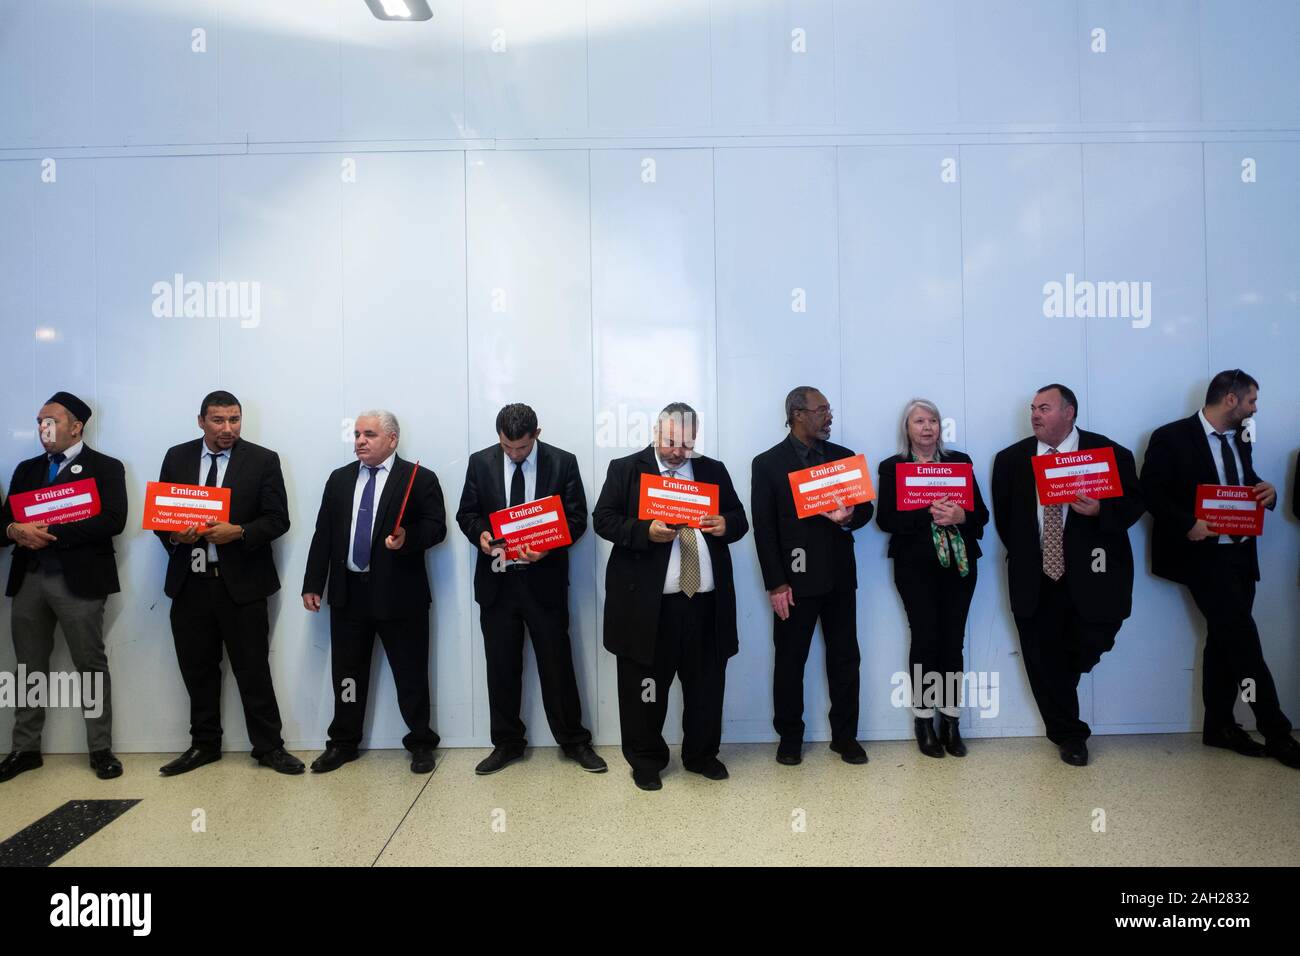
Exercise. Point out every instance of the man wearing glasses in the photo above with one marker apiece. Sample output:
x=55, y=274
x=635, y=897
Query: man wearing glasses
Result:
x=810, y=573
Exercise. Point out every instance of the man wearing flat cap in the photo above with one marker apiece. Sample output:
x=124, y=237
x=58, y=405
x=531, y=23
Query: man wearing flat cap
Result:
x=62, y=574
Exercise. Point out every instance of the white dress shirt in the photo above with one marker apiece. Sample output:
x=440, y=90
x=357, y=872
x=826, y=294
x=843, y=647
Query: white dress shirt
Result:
x=1216, y=452
x=1071, y=444
x=223, y=460
x=363, y=476
x=673, y=579
x=69, y=453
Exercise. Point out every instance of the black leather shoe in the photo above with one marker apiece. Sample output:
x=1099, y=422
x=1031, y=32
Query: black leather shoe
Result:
x=714, y=769
x=850, y=751
x=789, y=752
x=422, y=761
x=498, y=759
x=281, y=761
x=332, y=758
x=1285, y=750
x=190, y=760
x=647, y=779
x=1075, y=753
x=20, y=761
x=1235, y=739
x=950, y=736
x=925, y=738
x=586, y=758
x=105, y=765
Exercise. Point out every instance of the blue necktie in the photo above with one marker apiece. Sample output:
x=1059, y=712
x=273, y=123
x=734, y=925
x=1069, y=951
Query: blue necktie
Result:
x=57, y=459
x=365, y=522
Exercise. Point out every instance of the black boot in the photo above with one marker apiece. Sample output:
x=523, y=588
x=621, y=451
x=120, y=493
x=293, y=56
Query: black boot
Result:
x=925, y=738
x=950, y=736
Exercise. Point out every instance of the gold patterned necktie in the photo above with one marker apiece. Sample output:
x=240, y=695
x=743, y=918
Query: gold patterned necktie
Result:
x=1053, y=550
x=690, y=554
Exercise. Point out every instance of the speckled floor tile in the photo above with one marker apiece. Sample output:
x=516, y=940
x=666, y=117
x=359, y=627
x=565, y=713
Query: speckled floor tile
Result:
x=1143, y=800
x=63, y=828
x=1162, y=800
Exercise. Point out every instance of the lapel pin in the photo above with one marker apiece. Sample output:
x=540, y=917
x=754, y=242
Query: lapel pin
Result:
x=75, y=469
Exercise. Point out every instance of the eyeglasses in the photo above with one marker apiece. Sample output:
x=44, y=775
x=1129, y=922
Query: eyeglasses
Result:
x=821, y=410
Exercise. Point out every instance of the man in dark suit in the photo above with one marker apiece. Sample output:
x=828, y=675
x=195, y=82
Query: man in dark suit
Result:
x=62, y=574
x=1219, y=570
x=1069, y=570
x=670, y=602
x=219, y=577
x=378, y=583
x=810, y=572
x=531, y=591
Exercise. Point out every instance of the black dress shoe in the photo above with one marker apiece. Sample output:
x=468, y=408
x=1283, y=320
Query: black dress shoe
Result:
x=1285, y=750
x=925, y=737
x=950, y=736
x=105, y=765
x=714, y=769
x=332, y=758
x=585, y=757
x=498, y=759
x=647, y=779
x=1235, y=739
x=190, y=760
x=1075, y=753
x=850, y=751
x=422, y=761
x=789, y=752
x=20, y=761
x=281, y=761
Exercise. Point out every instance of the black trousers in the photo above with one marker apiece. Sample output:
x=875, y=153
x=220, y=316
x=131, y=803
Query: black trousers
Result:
x=352, y=641
x=686, y=646
x=1223, y=587
x=515, y=608
x=838, y=612
x=1058, y=647
x=204, y=620
x=937, y=600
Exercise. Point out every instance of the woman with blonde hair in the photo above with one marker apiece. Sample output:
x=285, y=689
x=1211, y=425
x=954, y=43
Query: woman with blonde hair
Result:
x=935, y=551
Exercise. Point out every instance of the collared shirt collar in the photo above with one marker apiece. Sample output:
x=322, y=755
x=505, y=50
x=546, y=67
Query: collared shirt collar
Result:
x=385, y=465
x=531, y=460
x=685, y=469
x=1071, y=443
x=71, y=452
x=1210, y=429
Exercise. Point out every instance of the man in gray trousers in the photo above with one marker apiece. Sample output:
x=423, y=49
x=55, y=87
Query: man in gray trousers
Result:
x=62, y=574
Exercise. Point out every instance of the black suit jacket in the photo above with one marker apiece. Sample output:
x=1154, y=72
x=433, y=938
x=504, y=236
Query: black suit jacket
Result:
x=258, y=503
x=1178, y=459
x=399, y=581
x=828, y=548
x=1099, y=597
x=634, y=577
x=910, y=538
x=485, y=492
x=84, y=548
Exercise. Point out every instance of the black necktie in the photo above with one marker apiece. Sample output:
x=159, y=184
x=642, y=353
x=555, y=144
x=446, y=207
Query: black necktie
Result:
x=1230, y=473
x=517, y=485
x=211, y=480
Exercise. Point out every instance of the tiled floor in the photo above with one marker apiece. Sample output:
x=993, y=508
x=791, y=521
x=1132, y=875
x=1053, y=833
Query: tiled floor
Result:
x=1165, y=799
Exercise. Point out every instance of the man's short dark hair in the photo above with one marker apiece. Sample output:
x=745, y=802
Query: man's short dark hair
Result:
x=1232, y=380
x=220, y=398
x=516, y=421
x=796, y=400
x=1067, y=395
